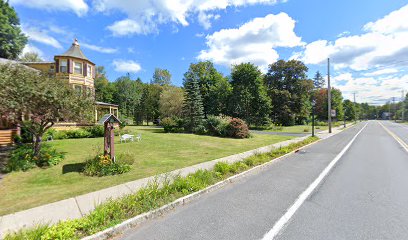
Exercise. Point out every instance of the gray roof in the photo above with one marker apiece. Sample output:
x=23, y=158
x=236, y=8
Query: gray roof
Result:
x=8, y=61
x=74, y=51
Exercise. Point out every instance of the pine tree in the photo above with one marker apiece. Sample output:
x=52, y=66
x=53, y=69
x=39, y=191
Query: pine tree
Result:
x=193, y=104
x=318, y=80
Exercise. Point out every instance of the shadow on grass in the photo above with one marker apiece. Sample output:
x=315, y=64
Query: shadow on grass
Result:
x=75, y=167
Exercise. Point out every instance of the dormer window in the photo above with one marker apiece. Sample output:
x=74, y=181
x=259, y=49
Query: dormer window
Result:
x=63, y=66
x=77, y=67
x=89, y=71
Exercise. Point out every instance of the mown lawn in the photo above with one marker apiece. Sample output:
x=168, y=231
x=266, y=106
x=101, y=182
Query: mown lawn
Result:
x=158, y=152
x=298, y=129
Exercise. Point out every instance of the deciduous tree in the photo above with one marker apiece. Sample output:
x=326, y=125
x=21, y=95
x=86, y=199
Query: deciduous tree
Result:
x=161, y=77
x=12, y=40
x=44, y=100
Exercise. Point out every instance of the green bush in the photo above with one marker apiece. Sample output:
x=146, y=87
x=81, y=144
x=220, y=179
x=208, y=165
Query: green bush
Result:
x=217, y=125
x=23, y=159
x=104, y=166
x=237, y=128
x=95, y=131
x=172, y=125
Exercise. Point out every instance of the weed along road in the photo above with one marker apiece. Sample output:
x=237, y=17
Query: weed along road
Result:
x=349, y=186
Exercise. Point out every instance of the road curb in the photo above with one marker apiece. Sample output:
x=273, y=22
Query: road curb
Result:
x=135, y=221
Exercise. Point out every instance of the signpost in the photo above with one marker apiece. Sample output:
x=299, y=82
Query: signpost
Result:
x=108, y=121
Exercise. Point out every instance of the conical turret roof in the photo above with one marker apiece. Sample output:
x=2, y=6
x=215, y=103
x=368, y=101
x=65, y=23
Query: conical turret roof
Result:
x=74, y=51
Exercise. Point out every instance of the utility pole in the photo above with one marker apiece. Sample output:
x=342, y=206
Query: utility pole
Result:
x=403, y=106
x=355, y=107
x=329, y=96
x=394, y=108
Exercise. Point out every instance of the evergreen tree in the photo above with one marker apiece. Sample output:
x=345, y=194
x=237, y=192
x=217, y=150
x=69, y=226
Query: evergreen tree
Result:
x=318, y=80
x=12, y=40
x=193, y=104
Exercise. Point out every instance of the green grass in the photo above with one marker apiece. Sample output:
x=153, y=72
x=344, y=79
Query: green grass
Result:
x=151, y=197
x=158, y=152
x=298, y=129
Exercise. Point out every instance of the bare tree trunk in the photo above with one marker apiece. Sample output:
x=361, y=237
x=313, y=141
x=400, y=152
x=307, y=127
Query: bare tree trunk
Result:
x=37, y=145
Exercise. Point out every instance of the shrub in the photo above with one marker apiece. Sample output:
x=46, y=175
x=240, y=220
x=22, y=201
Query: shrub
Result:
x=172, y=125
x=104, y=166
x=22, y=158
x=217, y=125
x=95, y=131
x=237, y=128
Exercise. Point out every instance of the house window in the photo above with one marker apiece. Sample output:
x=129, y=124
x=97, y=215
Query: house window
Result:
x=63, y=66
x=77, y=67
x=89, y=71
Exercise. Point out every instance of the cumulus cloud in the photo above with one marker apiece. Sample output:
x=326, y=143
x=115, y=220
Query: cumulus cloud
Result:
x=144, y=16
x=382, y=42
x=128, y=66
x=252, y=42
x=79, y=7
x=99, y=48
x=41, y=36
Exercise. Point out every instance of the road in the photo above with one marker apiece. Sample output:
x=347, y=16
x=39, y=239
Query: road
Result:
x=364, y=196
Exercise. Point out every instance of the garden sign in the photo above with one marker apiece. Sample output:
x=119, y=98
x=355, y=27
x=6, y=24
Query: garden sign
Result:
x=108, y=121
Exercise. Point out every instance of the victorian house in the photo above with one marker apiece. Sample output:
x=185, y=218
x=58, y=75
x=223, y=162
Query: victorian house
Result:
x=76, y=69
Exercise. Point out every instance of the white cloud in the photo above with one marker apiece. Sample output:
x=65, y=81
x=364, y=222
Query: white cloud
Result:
x=382, y=43
x=98, y=48
x=41, y=36
x=79, y=7
x=252, y=42
x=32, y=49
x=128, y=66
x=381, y=72
x=144, y=16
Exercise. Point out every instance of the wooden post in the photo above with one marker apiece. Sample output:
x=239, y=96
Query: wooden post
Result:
x=112, y=145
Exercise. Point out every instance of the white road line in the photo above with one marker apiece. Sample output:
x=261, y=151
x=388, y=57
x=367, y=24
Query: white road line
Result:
x=305, y=194
x=399, y=140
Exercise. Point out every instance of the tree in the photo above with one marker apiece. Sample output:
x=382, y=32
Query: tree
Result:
x=349, y=110
x=193, y=103
x=289, y=89
x=104, y=90
x=249, y=100
x=44, y=100
x=150, y=102
x=161, y=77
x=321, y=108
x=12, y=40
x=31, y=57
x=171, y=102
x=318, y=80
x=128, y=94
x=214, y=87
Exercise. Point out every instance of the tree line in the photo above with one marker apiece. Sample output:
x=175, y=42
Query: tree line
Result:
x=282, y=96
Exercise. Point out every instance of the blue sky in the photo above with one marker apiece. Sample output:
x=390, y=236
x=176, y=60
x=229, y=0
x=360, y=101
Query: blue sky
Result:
x=366, y=40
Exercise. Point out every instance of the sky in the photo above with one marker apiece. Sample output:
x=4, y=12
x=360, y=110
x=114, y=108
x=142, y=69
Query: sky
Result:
x=366, y=40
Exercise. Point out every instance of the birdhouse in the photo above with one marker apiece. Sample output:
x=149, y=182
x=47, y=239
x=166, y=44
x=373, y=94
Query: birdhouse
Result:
x=108, y=121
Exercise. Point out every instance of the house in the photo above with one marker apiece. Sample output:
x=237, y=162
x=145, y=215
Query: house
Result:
x=75, y=68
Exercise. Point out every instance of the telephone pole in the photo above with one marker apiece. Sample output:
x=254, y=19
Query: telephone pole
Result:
x=329, y=96
x=355, y=107
x=403, y=106
x=394, y=108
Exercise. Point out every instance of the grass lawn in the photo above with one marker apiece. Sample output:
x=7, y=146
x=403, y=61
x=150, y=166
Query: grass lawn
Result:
x=298, y=129
x=158, y=152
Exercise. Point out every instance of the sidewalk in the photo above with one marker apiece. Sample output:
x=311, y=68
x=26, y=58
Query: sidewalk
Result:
x=79, y=206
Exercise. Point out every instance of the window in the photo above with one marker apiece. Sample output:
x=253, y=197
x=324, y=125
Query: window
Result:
x=89, y=71
x=77, y=67
x=63, y=66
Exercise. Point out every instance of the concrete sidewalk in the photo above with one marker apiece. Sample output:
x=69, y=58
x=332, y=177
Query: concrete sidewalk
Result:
x=79, y=206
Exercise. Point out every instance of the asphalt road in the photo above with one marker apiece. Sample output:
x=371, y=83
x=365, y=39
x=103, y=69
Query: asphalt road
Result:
x=365, y=196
